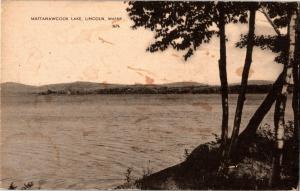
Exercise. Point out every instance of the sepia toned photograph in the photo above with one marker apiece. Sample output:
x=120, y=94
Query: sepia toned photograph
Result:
x=149, y=95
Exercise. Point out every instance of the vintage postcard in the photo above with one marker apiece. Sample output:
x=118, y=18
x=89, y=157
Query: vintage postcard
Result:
x=200, y=95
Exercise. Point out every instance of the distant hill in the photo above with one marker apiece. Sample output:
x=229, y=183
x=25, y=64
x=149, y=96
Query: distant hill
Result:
x=181, y=84
x=81, y=88
x=256, y=82
x=12, y=87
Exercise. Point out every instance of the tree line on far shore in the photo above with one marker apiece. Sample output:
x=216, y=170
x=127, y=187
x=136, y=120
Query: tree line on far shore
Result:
x=161, y=89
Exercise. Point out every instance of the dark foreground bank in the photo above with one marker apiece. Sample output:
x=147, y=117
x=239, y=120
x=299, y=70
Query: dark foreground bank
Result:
x=251, y=170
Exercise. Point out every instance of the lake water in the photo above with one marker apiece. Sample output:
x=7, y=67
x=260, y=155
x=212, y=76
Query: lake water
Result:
x=84, y=142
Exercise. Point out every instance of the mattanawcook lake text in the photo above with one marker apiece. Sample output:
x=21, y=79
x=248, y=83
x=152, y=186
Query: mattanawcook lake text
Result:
x=75, y=18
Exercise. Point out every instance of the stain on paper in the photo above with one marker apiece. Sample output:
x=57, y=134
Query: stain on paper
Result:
x=149, y=80
x=239, y=71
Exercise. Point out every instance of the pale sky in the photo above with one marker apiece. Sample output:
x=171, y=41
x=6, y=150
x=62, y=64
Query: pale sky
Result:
x=46, y=52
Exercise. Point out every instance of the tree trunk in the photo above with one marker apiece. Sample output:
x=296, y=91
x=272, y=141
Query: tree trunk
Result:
x=223, y=76
x=271, y=22
x=280, y=107
x=250, y=130
x=241, y=97
x=296, y=74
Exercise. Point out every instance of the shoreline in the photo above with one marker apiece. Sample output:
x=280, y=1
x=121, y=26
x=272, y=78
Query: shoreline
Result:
x=249, y=171
x=84, y=88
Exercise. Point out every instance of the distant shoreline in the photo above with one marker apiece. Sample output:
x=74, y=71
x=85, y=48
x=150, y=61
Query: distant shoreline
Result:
x=86, y=88
x=158, y=90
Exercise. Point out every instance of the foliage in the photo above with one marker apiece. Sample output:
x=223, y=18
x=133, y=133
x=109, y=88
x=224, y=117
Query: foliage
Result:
x=277, y=44
x=279, y=14
x=217, y=138
x=186, y=153
x=12, y=186
x=148, y=170
x=26, y=186
x=183, y=25
x=128, y=175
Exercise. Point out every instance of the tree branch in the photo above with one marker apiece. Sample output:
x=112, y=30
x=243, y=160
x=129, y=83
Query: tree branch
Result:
x=270, y=21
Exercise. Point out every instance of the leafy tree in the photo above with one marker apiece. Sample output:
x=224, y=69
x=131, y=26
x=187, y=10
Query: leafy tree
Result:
x=279, y=15
x=276, y=14
x=185, y=26
x=281, y=100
